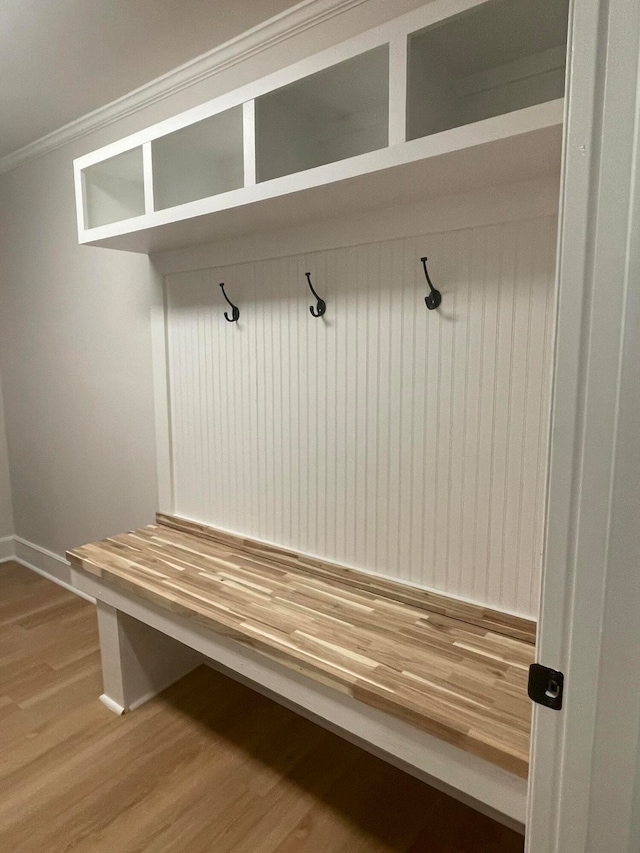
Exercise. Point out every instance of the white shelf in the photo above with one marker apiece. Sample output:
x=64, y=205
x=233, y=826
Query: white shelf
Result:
x=457, y=95
x=505, y=149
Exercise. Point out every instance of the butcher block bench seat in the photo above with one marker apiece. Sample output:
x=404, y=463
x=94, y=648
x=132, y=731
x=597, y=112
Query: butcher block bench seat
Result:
x=455, y=670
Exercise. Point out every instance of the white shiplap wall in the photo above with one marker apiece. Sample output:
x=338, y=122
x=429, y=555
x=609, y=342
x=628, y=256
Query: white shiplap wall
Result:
x=383, y=436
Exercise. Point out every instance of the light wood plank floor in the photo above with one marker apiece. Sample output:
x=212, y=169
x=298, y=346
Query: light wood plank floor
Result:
x=207, y=767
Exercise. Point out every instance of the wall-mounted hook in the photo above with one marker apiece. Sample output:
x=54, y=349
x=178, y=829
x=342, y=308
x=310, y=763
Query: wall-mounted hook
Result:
x=235, y=311
x=321, y=307
x=435, y=297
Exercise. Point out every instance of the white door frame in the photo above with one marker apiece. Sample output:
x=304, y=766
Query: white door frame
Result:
x=585, y=779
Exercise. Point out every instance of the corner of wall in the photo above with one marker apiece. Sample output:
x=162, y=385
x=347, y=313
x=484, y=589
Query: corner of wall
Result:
x=6, y=500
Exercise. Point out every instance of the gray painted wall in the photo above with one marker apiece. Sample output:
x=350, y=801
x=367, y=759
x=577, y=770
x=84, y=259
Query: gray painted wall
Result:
x=75, y=349
x=6, y=508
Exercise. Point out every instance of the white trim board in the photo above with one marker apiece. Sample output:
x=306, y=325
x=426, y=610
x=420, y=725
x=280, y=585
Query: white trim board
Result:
x=507, y=203
x=7, y=549
x=586, y=759
x=269, y=33
x=42, y=561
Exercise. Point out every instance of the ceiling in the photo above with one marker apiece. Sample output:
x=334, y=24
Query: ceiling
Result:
x=60, y=59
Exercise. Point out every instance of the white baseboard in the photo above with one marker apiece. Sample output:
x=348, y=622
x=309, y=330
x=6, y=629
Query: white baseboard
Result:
x=7, y=549
x=42, y=561
x=39, y=558
x=111, y=704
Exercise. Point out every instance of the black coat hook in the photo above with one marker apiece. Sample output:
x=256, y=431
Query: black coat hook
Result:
x=235, y=311
x=321, y=307
x=435, y=297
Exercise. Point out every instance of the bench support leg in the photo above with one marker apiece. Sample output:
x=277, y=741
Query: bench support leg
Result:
x=137, y=661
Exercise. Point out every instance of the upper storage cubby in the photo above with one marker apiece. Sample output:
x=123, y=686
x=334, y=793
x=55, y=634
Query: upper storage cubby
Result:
x=426, y=105
x=336, y=113
x=500, y=56
x=198, y=161
x=113, y=189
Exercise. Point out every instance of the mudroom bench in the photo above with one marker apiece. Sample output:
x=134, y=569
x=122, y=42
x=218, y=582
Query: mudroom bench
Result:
x=434, y=685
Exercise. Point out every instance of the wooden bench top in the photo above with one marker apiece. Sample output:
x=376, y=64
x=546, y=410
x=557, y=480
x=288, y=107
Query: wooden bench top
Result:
x=444, y=666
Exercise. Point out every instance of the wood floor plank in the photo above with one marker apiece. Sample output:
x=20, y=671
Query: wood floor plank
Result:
x=208, y=765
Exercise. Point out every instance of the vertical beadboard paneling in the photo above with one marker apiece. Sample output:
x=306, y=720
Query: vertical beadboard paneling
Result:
x=384, y=436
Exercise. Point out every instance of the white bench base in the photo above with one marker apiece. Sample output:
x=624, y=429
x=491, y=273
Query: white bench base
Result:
x=138, y=662
x=146, y=648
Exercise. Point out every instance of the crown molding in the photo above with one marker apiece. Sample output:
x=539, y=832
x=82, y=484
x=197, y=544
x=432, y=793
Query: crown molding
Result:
x=297, y=19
